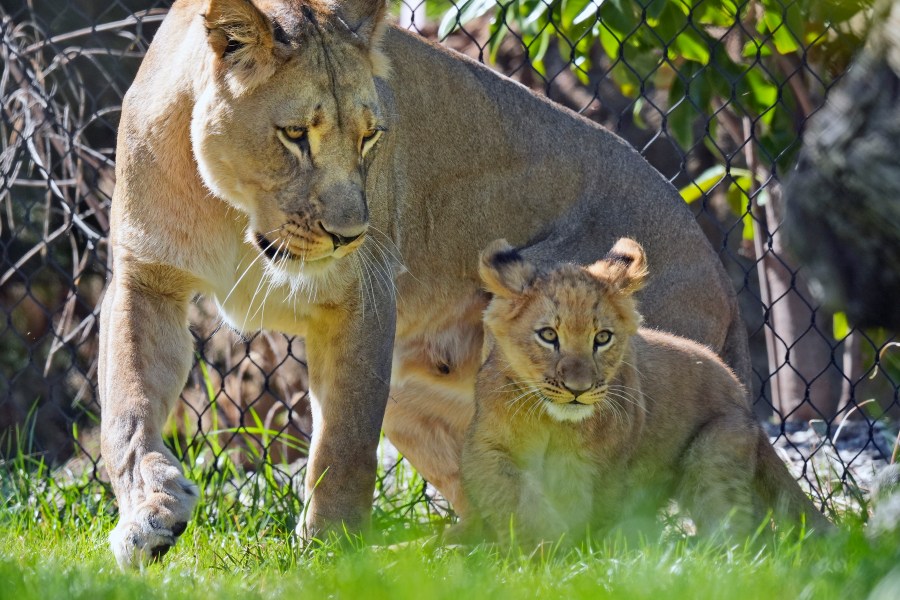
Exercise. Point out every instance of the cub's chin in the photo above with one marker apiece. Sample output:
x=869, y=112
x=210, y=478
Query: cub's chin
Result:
x=569, y=413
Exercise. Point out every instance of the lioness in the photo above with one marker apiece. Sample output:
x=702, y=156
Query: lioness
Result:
x=582, y=419
x=269, y=157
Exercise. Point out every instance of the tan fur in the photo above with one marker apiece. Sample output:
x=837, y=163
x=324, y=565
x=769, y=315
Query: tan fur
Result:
x=206, y=181
x=573, y=437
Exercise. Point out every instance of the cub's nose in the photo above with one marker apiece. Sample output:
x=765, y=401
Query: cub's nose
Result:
x=576, y=390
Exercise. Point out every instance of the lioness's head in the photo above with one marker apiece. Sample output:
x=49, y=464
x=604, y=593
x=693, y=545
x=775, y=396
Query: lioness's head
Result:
x=287, y=119
x=563, y=333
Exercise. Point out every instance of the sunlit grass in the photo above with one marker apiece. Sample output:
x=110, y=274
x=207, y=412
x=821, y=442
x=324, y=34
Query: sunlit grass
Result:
x=53, y=529
x=240, y=543
x=70, y=559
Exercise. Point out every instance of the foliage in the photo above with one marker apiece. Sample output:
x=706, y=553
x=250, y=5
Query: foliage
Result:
x=755, y=58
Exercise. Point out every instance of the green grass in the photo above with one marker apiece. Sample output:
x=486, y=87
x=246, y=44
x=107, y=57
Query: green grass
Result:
x=70, y=559
x=53, y=533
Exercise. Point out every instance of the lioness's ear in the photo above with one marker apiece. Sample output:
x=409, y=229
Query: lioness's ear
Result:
x=503, y=270
x=242, y=39
x=624, y=266
x=365, y=18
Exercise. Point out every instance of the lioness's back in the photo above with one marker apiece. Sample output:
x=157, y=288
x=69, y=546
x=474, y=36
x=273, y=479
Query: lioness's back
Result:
x=561, y=184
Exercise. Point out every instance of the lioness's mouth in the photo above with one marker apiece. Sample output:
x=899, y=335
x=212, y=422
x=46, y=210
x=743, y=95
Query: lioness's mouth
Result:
x=272, y=253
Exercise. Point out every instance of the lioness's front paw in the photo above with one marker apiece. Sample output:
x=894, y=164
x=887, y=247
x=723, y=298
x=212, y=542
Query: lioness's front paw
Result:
x=146, y=533
x=144, y=539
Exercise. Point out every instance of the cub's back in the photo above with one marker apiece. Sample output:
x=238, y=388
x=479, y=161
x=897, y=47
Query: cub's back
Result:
x=684, y=385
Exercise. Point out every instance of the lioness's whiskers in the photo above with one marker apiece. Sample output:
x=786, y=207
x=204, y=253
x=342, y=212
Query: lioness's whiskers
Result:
x=392, y=249
x=381, y=270
x=239, y=279
x=279, y=265
x=364, y=267
x=366, y=258
x=360, y=285
x=262, y=280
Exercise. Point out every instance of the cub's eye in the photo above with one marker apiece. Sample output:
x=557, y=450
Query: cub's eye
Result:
x=369, y=139
x=294, y=133
x=603, y=338
x=547, y=335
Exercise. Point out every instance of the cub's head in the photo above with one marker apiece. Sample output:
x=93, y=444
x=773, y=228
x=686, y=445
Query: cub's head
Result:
x=287, y=120
x=563, y=333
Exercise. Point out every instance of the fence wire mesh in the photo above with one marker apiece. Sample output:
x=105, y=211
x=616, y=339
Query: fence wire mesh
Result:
x=714, y=93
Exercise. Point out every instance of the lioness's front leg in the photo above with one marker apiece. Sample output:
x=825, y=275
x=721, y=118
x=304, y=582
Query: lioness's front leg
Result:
x=349, y=372
x=145, y=356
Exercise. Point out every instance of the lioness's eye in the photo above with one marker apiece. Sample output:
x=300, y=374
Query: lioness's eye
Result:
x=603, y=338
x=369, y=138
x=547, y=335
x=294, y=133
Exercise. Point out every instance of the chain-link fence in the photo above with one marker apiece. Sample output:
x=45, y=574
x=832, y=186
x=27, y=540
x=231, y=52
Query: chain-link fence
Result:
x=714, y=93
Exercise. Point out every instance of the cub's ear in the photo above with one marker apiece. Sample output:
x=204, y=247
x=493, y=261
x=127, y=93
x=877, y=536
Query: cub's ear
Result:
x=624, y=266
x=242, y=39
x=503, y=270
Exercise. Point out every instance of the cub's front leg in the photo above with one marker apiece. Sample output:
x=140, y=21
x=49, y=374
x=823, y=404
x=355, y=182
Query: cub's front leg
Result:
x=145, y=356
x=349, y=353
x=502, y=496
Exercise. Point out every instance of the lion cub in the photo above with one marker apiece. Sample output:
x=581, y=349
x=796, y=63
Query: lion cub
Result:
x=584, y=420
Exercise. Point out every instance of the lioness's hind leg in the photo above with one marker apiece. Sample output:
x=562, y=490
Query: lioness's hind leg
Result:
x=428, y=427
x=716, y=483
x=145, y=352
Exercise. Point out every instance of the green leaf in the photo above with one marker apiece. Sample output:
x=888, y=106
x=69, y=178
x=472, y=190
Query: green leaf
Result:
x=656, y=8
x=639, y=120
x=702, y=184
x=737, y=195
x=679, y=121
x=537, y=48
x=531, y=14
x=620, y=16
x=739, y=201
x=629, y=85
x=498, y=32
x=840, y=326
x=577, y=11
x=610, y=41
x=763, y=94
x=471, y=9
x=581, y=65
x=785, y=24
x=692, y=46
x=753, y=49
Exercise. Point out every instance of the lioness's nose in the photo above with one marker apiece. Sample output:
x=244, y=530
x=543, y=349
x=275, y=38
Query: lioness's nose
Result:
x=342, y=240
